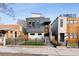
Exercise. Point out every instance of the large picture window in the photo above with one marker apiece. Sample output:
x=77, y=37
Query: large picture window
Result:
x=33, y=24
x=73, y=35
x=15, y=34
x=29, y=23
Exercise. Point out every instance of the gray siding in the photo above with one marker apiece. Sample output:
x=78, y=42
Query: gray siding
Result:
x=55, y=27
x=39, y=26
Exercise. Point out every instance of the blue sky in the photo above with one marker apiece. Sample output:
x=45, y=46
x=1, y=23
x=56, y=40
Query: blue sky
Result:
x=52, y=10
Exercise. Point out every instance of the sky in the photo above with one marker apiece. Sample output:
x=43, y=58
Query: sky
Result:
x=51, y=10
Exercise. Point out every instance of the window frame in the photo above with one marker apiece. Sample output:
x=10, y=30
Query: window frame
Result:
x=32, y=34
x=61, y=22
x=75, y=21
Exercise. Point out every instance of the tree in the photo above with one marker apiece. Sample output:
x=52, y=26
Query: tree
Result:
x=25, y=34
x=25, y=31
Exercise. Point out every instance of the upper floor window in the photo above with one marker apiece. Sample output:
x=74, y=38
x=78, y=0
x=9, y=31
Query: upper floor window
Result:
x=29, y=23
x=37, y=24
x=61, y=22
x=15, y=34
x=75, y=21
x=75, y=35
x=71, y=35
x=72, y=22
x=33, y=24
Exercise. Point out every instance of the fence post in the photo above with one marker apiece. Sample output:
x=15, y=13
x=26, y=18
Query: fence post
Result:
x=78, y=44
x=4, y=41
x=15, y=41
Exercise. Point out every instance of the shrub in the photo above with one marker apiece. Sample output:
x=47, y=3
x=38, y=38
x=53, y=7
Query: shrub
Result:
x=72, y=44
x=32, y=42
x=23, y=37
x=9, y=41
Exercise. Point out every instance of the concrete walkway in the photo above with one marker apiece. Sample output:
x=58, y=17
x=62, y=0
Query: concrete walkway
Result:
x=46, y=50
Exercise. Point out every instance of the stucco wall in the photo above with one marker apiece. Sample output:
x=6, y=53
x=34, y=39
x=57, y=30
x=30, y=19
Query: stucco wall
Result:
x=11, y=28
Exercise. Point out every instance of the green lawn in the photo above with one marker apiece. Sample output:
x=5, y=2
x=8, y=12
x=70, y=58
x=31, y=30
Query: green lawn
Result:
x=30, y=42
x=72, y=44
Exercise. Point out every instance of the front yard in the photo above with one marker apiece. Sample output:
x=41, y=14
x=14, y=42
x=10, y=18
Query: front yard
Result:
x=24, y=42
x=31, y=42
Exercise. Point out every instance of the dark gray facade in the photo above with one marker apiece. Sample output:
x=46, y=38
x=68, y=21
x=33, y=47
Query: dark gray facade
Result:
x=36, y=24
x=54, y=26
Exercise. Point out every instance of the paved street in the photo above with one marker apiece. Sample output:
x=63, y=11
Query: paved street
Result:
x=38, y=51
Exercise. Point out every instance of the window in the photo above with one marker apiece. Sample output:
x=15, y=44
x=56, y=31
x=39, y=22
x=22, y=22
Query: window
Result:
x=33, y=24
x=32, y=34
x=39, y=33
x=71, y=35
x=66, y=36
x=61, y=22
x=38, y=24
x=29, y=23
x=38, y=21
x=75, y=35
x=15, y=34
x=75, y=21
x=68, y=22
x=71, y=22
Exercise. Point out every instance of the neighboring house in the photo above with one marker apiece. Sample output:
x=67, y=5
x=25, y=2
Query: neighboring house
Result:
x=38, y=26
x=10, y=30
x=66, y=27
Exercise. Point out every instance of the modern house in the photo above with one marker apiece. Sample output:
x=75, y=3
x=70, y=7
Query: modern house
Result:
x=66, y=27
x=38, y=26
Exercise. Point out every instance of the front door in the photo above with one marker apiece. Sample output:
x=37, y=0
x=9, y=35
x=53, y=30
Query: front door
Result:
x=62, y=37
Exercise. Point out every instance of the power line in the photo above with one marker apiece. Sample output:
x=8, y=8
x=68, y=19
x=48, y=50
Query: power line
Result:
x=6, y=9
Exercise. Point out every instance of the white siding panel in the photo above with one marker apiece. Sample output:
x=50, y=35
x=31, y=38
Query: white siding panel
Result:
x=62, y=29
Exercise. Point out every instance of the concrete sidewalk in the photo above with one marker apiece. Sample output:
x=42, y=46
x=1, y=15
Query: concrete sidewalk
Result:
x=50, y=51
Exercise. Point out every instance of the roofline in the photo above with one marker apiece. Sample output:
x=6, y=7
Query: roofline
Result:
x=9, y=24
x=54, y=20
